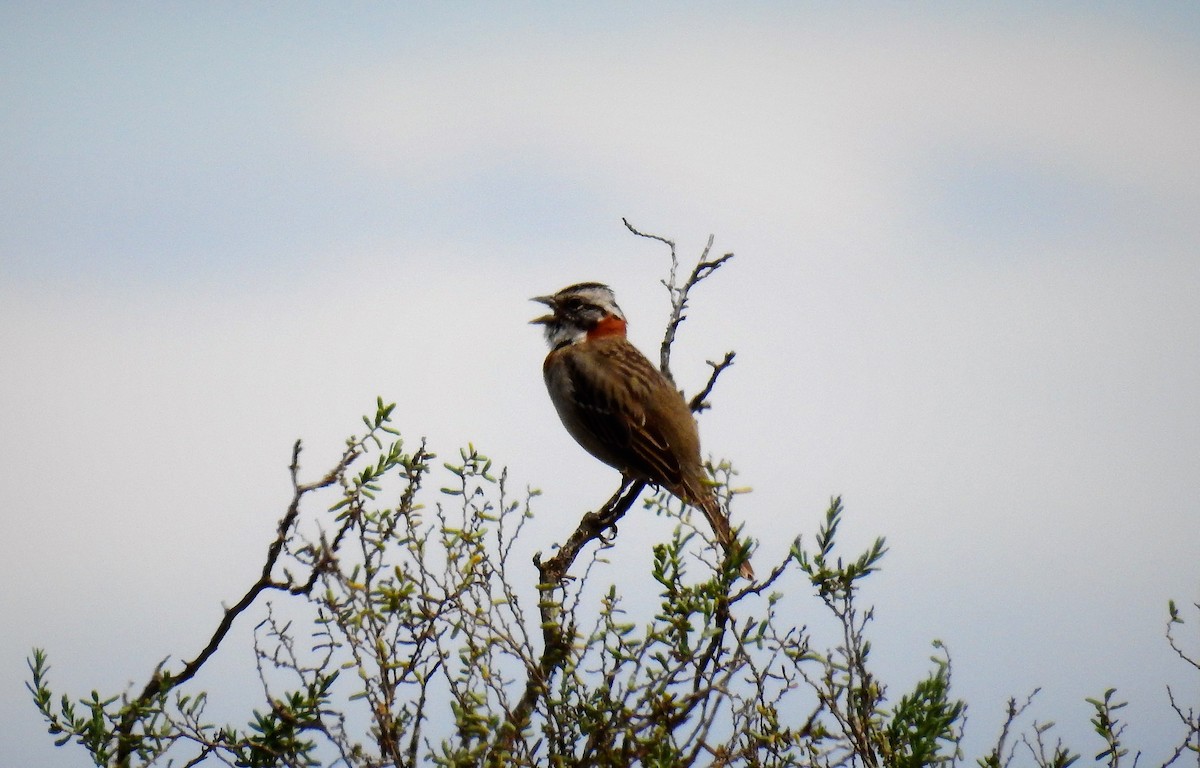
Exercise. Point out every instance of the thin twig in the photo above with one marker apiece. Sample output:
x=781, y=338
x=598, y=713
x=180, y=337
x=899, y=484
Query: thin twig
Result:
x=679, y=293
x=698, y=403
x=1013, y=712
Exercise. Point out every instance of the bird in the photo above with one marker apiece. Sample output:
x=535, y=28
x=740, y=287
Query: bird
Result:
x=619, y=407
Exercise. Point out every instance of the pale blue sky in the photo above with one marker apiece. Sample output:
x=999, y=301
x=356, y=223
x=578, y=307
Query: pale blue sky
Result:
x=965, y=296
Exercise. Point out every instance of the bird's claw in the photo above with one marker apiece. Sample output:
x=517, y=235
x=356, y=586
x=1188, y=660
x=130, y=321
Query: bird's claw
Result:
x=607, y=532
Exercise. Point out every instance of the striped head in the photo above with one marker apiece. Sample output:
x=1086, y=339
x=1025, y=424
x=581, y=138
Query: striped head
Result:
x=580, y=312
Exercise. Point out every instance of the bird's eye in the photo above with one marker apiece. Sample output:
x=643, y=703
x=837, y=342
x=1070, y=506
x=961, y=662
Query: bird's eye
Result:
x=573, y=303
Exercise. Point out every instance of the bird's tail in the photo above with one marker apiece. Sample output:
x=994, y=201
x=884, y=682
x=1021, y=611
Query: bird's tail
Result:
x=708, y=504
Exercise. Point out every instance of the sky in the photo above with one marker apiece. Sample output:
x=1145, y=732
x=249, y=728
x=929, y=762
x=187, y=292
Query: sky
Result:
x=965, y=297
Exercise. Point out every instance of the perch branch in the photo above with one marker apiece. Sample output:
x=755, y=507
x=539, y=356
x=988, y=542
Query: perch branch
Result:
x=555, y=646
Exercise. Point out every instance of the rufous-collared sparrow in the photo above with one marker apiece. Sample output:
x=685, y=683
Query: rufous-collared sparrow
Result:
x=621, y=408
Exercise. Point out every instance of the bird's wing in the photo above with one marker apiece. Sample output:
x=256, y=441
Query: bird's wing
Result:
x=615, y=394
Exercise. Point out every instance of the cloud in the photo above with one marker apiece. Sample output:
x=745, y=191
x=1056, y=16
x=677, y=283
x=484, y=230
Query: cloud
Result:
x=795, y=124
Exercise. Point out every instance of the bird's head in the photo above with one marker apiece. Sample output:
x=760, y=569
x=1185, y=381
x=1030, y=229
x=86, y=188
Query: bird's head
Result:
x=580, y=312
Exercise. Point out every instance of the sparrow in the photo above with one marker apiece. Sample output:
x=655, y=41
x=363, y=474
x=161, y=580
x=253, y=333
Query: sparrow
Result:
x=618, y=406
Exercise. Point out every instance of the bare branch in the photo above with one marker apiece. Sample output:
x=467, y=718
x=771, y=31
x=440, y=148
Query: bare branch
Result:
x=659, y=238
x=160, y=683
x=552, y=573
x=679, y=293
x=699, y=402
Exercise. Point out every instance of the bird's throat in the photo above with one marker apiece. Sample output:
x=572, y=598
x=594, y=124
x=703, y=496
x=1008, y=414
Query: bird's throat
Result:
x=611, y=325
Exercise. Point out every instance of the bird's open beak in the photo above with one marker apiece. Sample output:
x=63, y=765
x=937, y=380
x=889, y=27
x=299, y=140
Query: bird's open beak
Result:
x=544, y=319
